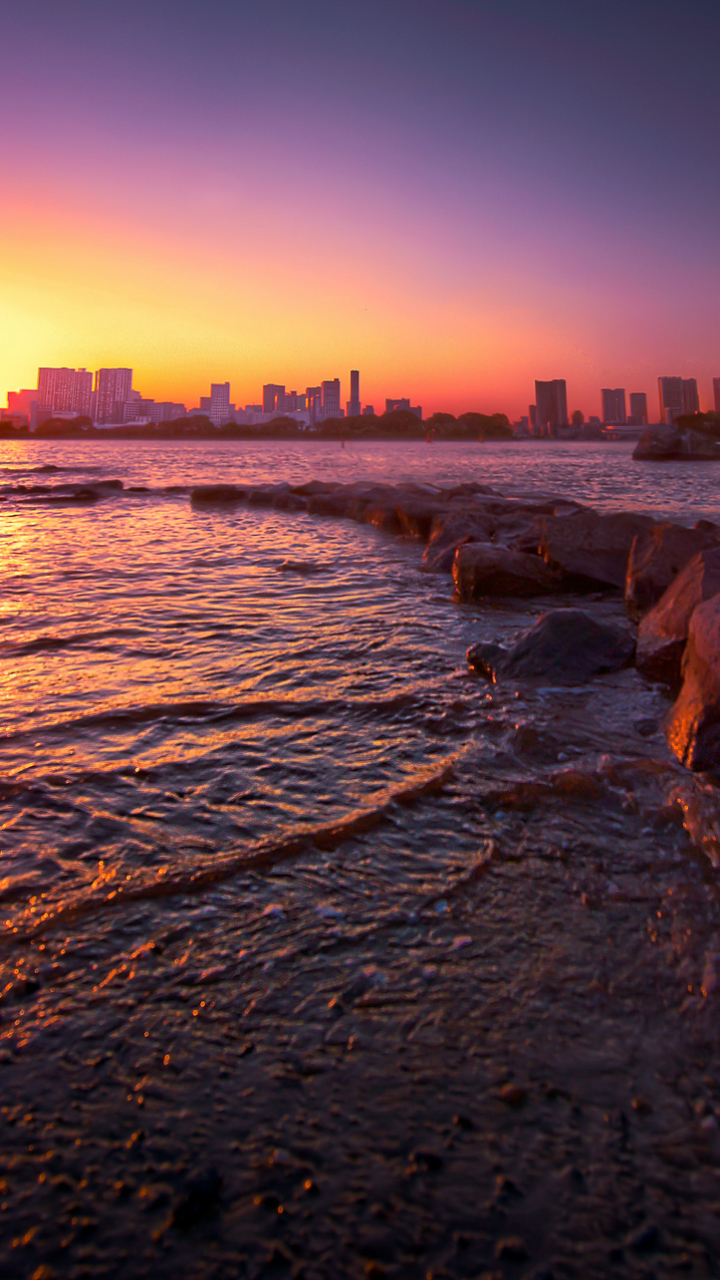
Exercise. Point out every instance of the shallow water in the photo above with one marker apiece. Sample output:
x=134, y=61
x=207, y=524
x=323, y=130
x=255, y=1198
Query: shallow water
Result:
x=173, y=703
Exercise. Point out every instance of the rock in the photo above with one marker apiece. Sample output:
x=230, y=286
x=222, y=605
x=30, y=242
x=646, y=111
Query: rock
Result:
x=327, y=504
x=450, y=530
x=483, y=569
x=300, y=566
x=664, y=630
x=416, y=516
x=216, y=495
x=665, y=444
x=567, y=646
x=591, y=550
x=657, y=557
x=693, y=726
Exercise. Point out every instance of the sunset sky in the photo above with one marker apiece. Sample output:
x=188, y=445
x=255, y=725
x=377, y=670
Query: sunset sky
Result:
x=454, y=196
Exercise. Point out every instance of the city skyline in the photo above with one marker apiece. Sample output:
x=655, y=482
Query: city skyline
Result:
x=108, y=396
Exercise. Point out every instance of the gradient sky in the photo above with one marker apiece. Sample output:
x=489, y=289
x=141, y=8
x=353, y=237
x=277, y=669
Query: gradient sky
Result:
x=454, y=196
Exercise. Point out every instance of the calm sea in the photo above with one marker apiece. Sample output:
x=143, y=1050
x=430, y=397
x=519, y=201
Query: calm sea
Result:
x=173, y=705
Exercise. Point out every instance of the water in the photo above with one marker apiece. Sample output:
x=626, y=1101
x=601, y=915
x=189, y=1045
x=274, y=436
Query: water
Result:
x=277, y=869
x=173, y=703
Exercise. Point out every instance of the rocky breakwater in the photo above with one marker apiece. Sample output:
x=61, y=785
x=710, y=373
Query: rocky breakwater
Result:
x=675, y=444
x=517, y=548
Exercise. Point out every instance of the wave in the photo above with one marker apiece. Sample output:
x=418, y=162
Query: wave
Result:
x=215, y=712
x=113, y=887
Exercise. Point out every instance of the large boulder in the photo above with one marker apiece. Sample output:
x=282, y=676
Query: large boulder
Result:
x=693, y=726
x=217, y=495
x=591, y=550
x=664, y=630
x=483, y=569
x=452, y=529
x=656, y=558
x=567, y=646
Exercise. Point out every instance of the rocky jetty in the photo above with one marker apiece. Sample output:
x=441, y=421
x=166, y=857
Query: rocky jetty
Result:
x=516, y=548
x=672, y=444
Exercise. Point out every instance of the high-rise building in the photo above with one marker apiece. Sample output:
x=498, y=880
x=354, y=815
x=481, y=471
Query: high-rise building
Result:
x=219, y=403
x=677, y=396
x=271, y=392
x=638, y=408
x=353, y=404
x=532, y=414
x=331, y=398
x=65, y=390
x=691, y=400
x=112, y=386
x=313, y=399
x=551, y=401
x=613, y=405
x=716, y=394
x=392, y=405
x=22, y=401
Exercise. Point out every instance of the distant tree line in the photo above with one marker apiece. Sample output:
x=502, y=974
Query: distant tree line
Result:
x=399, y=424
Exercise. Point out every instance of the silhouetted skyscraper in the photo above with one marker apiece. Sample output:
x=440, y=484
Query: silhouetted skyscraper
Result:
x=551, y=401
x=219, y=402
x=353, y=404
x=313, y=397
x=613, y=405
x=691, y=401
x=638, y=408
x=677, y=396
x=111, y=386
x=716, y=393
x=270, y=396
x=65, y=390
x=331, y=398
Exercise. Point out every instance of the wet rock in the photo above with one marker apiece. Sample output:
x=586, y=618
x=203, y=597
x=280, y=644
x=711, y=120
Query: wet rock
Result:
x=482, y=569
x=328, y=504
x=693, y=726
x=591, y=550
x=565, y=645
x=665, y=444
x=214, y=495
x=664, y=630
x=513, y=1095
x=657, y=557
x=416, y=516
x=199, y=1198
x=304, y=567
x=451, y=530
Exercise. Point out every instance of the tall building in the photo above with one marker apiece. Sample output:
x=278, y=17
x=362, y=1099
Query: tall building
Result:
x=677, y=396
x=638, y=408
x=691, y=400
x=331, y=398
x=716, y=393
x=271, y=392
x=219, y=403
x=65, y=390
x=22, y=401
x=551, y=401
x=353, y=404
x=313, y=399
x=112, y=386
x=613, y=405
x=392, y=405
x=671, y=399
